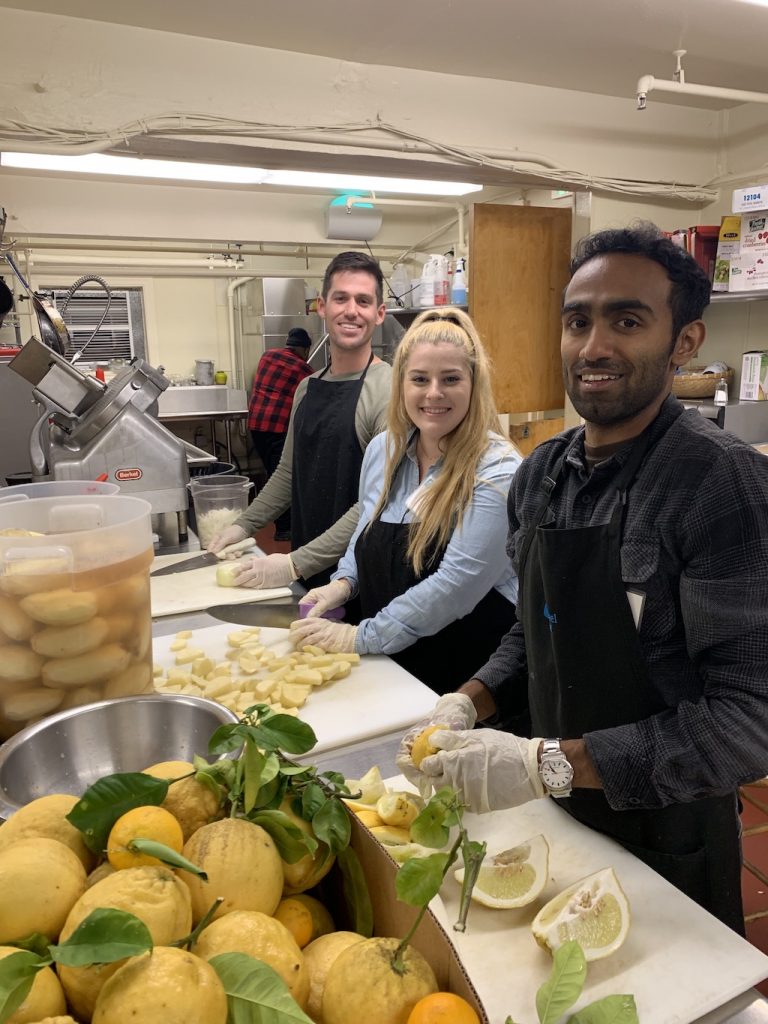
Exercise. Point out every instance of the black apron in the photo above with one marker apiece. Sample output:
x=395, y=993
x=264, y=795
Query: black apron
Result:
x=326, y=460
x=586, y=672
x=450, y=657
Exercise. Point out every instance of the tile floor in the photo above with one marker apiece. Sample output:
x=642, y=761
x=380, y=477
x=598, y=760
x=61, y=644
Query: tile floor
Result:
x=755, y=892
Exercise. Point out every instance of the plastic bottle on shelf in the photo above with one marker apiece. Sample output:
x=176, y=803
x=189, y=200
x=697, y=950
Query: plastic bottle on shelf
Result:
x=459, y=287
x=721, y=392
x=441, y=280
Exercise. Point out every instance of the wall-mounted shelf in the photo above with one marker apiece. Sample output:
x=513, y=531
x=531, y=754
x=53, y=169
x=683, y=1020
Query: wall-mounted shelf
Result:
x=739, y=296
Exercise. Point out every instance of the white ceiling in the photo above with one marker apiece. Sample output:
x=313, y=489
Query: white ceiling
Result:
x=599, y=46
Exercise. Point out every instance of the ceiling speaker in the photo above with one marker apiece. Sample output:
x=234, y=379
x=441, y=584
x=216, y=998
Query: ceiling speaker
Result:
x=352, y=223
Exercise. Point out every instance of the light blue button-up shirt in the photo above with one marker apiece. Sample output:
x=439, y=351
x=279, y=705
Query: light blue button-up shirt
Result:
x=475, y=560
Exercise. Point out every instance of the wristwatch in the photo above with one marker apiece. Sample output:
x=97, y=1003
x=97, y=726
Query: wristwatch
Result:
x=555, y=770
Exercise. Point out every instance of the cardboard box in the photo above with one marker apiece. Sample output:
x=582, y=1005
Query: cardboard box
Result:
x=754, y=233
x=702, y=245
x=754, y=377
x=748, y=272
x=393, y=918
x=753, y=198
x=728, y=247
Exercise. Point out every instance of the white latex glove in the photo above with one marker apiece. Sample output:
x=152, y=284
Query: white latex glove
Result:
x=262, y=573
x=333, y=637
x=332, y=595
x=454, y=711
x=232, y=535
x=491, y=769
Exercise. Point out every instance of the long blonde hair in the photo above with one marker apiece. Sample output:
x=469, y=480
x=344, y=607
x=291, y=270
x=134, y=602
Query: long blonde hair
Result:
x=444, y=503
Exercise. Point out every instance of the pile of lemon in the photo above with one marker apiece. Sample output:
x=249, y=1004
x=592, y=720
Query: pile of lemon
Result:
x=50, y=883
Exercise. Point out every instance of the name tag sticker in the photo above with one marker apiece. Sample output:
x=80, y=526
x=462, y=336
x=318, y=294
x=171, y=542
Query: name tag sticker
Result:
x=636, y=600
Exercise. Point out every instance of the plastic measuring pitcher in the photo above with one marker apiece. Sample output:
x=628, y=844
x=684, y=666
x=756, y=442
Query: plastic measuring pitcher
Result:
x=56, y=489
x=74, y=603
x=218, y=501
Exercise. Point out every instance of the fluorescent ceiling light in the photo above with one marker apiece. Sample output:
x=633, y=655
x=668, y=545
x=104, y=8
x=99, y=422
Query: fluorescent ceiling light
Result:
x=101, y=163
x=757, y=3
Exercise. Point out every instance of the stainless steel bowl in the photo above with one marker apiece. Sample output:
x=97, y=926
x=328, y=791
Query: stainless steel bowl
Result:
x=68, y=751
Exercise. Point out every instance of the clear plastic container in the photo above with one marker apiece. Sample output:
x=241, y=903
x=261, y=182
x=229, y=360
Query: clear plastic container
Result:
x=55, y=489
x=75, y=620
x=218, y=501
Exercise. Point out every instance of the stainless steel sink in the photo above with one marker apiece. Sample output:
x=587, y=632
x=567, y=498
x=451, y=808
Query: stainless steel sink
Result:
x=196, y=400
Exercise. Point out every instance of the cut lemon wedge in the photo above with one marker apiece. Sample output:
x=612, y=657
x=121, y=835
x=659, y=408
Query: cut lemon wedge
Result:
x=595, y=912
x=512, y=878
x=370, y=787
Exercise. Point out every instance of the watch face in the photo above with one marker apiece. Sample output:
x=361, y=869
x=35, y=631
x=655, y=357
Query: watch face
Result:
x=556, y=773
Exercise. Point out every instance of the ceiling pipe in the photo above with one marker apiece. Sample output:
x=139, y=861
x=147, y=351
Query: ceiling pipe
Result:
x=377, y=201
x=647, y=83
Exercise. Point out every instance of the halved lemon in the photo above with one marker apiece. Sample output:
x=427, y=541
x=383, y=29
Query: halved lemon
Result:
x=595, y=912
x=370, y=787
x=512, y=878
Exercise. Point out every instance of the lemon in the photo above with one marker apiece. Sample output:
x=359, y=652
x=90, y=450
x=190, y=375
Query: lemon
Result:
x=512, y=878
x=155, y=895
x=388, y=835
x=262, y=937
x=40, y=881
x=242, y=864
x=594, y=912
x=370, y=787
x=398, y=809
x=319, y=957
x=147, y=822
x=46, y=816
x=422, y=747
x=310, y=869
x=191, y=802
x=166, y=986
x=44, y=999
x=363, y=984
x=369, y=818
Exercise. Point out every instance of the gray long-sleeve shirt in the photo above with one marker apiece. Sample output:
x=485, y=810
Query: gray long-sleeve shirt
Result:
x=695, y=542
x=370, y=419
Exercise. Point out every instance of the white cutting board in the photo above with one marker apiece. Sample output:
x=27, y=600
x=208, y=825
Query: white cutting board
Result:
x=378, y=696
x=196, y=589
x=678, y=961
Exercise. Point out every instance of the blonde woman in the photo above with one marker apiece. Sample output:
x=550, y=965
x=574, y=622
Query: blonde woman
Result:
x=427, y=560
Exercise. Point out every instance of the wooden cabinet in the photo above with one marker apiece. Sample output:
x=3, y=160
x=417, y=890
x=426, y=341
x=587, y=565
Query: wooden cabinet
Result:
x=518, y=268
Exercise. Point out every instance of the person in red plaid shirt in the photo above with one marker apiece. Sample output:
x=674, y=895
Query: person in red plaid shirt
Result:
x=279, y=373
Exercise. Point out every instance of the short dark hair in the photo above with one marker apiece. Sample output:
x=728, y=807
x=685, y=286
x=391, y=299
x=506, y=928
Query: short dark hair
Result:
x=691, y=288
x=298, y=338
x=356, y=262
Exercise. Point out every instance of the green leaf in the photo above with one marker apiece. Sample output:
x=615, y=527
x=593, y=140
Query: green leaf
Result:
x=17, y=975
x=564, y=985
x=167, y=855
x=292, y=843
x=331, y=825
x=254, y=762
x=419, y=879
x=226, y=739
x=429, y=828
x=610, y=1010
x=473, y=854
x=284, y=732
x=271, y=795
x=295, y=769
x=105, y=801
x=104, y=936
x=338, y=780
x=34, y=943
x=312, y=799
x=356, y=894
x=256, y=994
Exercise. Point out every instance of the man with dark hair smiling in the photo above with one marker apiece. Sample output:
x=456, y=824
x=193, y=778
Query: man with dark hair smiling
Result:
x=334, y=416
x=641, y=545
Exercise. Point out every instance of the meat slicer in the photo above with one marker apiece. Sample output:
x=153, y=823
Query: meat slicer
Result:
x=93, y=430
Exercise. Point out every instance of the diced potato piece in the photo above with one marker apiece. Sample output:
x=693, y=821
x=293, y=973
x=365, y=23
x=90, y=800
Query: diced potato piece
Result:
x=192, y=690
x=342, y=670
x=178, y=674
x=188, y=656
x=328, y=672
x=323, y=660
x=282, y=662
x=224, y=666
x=352, y=659
x=265, y=688
x=246, y=700
x=167, y=687
x=294, y=696
x=250, y=666
x=238, y=637
x=216, y=688
x=233, y=654
x=290, y=711
x=202, y=666
x=229, y=700
x=312, y=649
x=308, y=677
x=178, y=645
x=184, y=634
x=226, y=573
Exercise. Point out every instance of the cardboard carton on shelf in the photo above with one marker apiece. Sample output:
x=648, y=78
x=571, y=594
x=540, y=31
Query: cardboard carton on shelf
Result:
x=728, y=248
x=748, y=272
x=754, y=377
